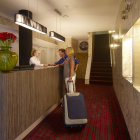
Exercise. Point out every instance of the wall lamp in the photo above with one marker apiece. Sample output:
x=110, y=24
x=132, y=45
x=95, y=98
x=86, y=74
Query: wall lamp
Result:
x=111, y=31
x=113, y=46
x=116, y=36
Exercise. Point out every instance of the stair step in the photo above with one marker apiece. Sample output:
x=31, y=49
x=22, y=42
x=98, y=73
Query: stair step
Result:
x=101, y=66
x=94, y=75
x=101, y=77
x=101, y=73
x=101, y=70
x=101, y=82
x=101, y=62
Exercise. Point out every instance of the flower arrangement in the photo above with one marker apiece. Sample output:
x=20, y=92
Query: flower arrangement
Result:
x=6, y=39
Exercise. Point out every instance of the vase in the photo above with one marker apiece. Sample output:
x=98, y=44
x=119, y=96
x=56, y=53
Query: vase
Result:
x=8, y=59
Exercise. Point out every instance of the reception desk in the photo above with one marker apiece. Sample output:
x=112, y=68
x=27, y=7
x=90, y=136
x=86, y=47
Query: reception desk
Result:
x=25, y=96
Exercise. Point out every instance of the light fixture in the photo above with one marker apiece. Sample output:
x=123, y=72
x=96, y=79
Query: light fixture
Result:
x=114, y=45
x=27, y=22
x=53, y=34
x=56, y=36
x=121, y=36
x=111, y=31
x=116, y=36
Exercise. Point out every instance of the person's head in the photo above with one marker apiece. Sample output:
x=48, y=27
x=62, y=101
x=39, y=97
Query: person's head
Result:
x=69, y=51
x=35, y=53
x=61, y=52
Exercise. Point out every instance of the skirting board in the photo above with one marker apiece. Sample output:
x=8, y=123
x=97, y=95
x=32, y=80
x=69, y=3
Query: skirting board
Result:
x=30, y=128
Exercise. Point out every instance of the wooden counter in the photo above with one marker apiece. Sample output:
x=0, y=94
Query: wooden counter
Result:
x=25, y=96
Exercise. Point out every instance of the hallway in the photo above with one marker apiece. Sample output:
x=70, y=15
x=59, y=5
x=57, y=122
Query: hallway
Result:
x=105, y=119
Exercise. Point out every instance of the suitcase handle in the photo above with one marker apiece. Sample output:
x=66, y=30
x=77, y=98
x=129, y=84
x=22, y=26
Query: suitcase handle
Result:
x=68, y=85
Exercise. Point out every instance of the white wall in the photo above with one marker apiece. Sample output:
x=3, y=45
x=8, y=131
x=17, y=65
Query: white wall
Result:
x=49, y=54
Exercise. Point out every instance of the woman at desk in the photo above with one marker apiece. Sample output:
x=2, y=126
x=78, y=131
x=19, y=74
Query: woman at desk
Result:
x=35, y=59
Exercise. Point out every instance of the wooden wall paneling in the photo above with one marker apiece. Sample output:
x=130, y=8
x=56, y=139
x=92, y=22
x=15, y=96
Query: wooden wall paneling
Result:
x=28, y=95
x=82, y=58
x=2, y=108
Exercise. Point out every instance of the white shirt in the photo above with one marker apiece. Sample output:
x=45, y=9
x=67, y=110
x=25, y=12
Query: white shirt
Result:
x=35, y=60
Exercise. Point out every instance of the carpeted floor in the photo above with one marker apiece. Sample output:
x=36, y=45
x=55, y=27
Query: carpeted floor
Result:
x=105, y=120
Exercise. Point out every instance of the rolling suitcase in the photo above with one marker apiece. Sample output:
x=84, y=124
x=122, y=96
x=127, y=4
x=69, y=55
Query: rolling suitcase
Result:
x=74, y=110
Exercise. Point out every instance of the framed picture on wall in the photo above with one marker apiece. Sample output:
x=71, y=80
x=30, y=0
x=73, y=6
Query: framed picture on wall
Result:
x=83, y=45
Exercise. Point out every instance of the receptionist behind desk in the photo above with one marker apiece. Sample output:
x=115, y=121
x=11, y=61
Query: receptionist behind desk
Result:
x=35, y=59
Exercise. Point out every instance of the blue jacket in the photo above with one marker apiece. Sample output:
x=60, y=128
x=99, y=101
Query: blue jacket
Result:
x=61, y=60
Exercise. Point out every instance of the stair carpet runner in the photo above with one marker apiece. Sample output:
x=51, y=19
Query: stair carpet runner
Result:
x=101, y=73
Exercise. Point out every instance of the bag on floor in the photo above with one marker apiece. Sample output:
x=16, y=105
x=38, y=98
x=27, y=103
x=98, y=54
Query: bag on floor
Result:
x=74, y=110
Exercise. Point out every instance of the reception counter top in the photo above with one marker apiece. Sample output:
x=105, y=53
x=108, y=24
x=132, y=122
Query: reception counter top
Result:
x=25, y=96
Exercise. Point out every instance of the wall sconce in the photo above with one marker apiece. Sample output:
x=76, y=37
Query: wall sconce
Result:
x=114, y=46
x=116, y=36
x=111, y=31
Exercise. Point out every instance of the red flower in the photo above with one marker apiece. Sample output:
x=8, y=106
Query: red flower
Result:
x=7, y=36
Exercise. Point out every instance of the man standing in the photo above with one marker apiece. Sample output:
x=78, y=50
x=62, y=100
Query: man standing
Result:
x=62, y=59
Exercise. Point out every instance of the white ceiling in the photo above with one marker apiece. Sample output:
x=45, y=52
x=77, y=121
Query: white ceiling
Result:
x=78, y=16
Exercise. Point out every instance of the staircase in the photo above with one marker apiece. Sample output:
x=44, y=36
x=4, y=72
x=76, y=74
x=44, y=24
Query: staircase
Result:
x=101, y=70
x=101, y=73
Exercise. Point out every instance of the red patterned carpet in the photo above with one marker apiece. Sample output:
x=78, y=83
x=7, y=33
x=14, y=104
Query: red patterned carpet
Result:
x=105, y=120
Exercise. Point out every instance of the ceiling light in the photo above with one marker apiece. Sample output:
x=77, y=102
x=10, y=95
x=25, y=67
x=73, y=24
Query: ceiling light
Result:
x=56, y=36
x=28, y=23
